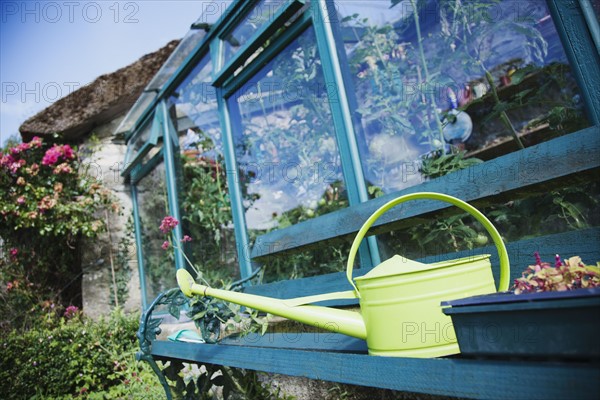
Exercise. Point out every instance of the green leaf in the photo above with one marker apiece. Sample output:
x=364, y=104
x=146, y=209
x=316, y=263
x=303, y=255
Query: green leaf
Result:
x=174, y=310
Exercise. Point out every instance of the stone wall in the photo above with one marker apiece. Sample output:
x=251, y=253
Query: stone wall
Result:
x=104, y=160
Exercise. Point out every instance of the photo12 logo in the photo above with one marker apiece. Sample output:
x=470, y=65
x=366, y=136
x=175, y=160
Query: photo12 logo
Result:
x=259, y=14
x=37, y=92
x=53, y=12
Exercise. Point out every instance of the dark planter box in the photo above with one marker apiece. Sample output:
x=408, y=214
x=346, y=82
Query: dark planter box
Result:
x=562, y=325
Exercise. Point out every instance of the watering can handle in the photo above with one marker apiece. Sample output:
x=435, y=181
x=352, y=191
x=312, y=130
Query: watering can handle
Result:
x=504, y=262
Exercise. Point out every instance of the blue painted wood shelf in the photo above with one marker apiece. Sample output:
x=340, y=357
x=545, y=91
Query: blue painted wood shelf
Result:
x=467, y=378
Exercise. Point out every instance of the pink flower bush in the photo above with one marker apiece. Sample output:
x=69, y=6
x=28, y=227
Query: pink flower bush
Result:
x=46, y=203
x=168, y=224
x=63, y=168
x=67, y=152
x=46, y=209
x=52, y=155
x=165, y=245
x=55, y=152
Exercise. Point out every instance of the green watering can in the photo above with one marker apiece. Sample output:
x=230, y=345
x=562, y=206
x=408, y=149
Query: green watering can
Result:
x=400, y=313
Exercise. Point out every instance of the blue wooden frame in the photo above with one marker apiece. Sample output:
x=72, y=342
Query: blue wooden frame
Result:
x=224, y=72
x=154, y=137
x=502, y=178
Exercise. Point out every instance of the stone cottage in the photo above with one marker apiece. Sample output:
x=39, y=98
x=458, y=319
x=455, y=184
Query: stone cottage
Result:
x=89, y=117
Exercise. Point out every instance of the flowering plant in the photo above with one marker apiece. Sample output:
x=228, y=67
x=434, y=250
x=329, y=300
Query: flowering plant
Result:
x=209, y=314
x=47, y=204
x=45, y=192
x=564, y=275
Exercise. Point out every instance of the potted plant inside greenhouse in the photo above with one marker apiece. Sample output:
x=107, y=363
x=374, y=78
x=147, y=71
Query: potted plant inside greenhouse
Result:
x=552, y=312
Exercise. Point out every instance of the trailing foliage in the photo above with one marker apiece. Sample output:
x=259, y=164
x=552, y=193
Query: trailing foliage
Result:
x=67, y=356
x=125, y=251
x=47, y=206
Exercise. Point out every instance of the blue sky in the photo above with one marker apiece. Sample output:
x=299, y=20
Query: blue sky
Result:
x=50, y=48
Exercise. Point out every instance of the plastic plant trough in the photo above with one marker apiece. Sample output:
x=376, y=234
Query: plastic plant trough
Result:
x=558, y=325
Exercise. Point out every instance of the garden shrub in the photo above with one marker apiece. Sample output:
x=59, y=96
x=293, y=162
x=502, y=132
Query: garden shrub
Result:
x=47, y=205
x=70, y=356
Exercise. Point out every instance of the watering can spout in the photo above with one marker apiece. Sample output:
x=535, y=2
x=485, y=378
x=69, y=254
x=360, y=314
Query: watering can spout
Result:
x=340, y=321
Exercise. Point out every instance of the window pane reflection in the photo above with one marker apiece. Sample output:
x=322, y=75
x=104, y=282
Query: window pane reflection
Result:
x=306, y=263
x=203, y=195
x=159, y=265
x=261, y=14
x=285, y=142
x=485, y=77
x=136, y=143
x=559, y=210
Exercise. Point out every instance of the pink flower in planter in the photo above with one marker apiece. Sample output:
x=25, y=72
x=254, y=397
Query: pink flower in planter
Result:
x=21, y=200
x=165, y=245
x=13, y=252
x=167, y=224
x=538, y=259
x=186, y=239
x=557, y=262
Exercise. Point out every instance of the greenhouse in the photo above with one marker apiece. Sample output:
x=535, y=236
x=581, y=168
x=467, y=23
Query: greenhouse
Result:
x=268, y=138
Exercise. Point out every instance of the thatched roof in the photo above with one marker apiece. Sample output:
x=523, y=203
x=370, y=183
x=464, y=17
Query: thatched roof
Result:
x=99, y=102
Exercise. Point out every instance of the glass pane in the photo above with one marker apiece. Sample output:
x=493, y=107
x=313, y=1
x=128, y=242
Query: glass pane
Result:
x=284, y=141
x=203, y=196
x=159, y=265
x=472, y=75
x=261, y=14
x=181, y=52
x=135, y=112
x=306, y=263
x=136, y=143
x=559, y=210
